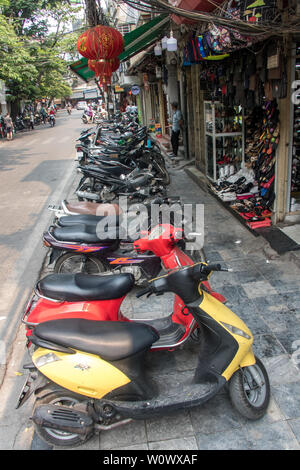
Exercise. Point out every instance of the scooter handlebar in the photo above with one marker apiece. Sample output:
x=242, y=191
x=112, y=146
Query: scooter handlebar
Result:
x=203, y=269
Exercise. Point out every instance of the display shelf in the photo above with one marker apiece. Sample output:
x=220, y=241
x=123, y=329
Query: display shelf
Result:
x=224, y=139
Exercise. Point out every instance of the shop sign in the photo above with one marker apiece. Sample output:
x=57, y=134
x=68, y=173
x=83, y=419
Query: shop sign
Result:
x=135, y=89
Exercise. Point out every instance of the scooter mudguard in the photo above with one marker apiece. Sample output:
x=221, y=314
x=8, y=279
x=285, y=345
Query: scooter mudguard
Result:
x=82, y=373
x=235, y=327
x=54, y=255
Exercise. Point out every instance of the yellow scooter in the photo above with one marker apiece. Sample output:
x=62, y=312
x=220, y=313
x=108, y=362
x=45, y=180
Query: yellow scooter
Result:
x=90, y=376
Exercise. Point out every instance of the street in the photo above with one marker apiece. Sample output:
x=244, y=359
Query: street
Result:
x=35, y=168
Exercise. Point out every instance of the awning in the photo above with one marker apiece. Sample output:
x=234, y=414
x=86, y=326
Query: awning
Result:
x=143, y=36
x=134, y=42
x=81, y=69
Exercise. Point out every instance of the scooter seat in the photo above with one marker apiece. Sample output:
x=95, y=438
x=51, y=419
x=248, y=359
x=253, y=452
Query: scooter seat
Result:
x=79, y=287
x=85, y=234
x=110, y=340
x=87, y=219
x=91, y=208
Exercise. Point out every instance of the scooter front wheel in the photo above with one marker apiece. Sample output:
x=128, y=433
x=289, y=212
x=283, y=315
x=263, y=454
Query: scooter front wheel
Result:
x=249, y=390
x=72, y=263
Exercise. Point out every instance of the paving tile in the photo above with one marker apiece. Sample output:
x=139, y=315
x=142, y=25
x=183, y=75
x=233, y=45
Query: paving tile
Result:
x=258, y=289
x=216, y=415
x=255, y=322
x=281, y=369
x=287, y=396
x=234, y=295
x=295, y=426
x=229, y=440
x=267, y=346
x=213, y=256
x=170, y=427
x=124, y=436
x=266, y=305
x=183, y=443
x=289, y=336
x=275, y=436
x=231, y=254
x=248, y=276
x=283, y=287
x=133, y=447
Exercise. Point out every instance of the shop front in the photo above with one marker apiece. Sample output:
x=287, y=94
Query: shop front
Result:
x=239, y=127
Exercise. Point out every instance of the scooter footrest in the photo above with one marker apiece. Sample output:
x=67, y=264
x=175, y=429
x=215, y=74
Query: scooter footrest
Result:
x=170, y=333
x=182, y=397
x=63, y=418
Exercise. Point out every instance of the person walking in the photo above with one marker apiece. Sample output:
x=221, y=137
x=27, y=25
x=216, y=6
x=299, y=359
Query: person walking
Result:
x=177, y=125
x=9, y=126
x=44, y=114
x=90, y=113
x=2, y=126
x=31, y=120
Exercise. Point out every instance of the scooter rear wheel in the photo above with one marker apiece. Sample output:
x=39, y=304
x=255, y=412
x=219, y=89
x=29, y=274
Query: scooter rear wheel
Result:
x=56, y=437
x=72, y=263
x=249, y=390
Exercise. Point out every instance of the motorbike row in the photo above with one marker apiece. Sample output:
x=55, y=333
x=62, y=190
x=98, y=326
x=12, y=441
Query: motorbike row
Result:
x=22, y=122
x=91, y=367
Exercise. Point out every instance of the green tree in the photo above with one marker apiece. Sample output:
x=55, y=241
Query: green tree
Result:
x=34, y=57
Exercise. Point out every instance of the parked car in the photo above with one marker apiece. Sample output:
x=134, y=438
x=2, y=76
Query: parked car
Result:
x=81, y=105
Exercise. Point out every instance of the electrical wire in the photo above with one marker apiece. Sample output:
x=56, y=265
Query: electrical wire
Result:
x=244, y=27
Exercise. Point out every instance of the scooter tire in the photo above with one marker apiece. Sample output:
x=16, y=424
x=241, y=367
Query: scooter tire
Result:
x=62, y=263
x=252, y=404
x=56, y=395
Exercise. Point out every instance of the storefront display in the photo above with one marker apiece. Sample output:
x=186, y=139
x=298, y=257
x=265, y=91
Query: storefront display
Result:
x=295, y=159
x=251, y=190
x=224, y=140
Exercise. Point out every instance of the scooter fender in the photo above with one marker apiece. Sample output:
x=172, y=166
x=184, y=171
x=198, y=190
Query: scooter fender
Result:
x=80, y=372
x=98, y=310
x=235, y=327
x=36, y=383
x=54, y=255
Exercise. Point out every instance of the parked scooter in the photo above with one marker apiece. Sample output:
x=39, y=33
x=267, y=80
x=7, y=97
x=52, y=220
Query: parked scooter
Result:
x=84, y=208
x=136, y=185
x=96, y=244
x=100, y=209
x=90, y=376
x=85, y=296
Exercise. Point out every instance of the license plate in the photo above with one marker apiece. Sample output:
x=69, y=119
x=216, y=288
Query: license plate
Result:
x=79, y=154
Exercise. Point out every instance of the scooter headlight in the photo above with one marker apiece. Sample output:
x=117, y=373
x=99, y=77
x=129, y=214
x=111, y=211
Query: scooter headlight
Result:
x=236, y=331
x=46, y=359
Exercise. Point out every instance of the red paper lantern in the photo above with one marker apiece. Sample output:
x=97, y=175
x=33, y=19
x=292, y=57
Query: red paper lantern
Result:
x=91, y=64
x=82, y=45
x=105, y=80
x=102, y=67
x=103, y=42
x=114, y=64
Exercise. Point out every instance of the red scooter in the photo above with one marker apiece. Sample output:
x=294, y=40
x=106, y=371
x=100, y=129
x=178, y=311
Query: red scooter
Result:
x=99, y=298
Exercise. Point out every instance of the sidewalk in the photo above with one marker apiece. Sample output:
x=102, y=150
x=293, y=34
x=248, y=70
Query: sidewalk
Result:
x=264, y=291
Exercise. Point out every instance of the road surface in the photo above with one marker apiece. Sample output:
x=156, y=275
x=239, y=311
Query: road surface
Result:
x=36, y=168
